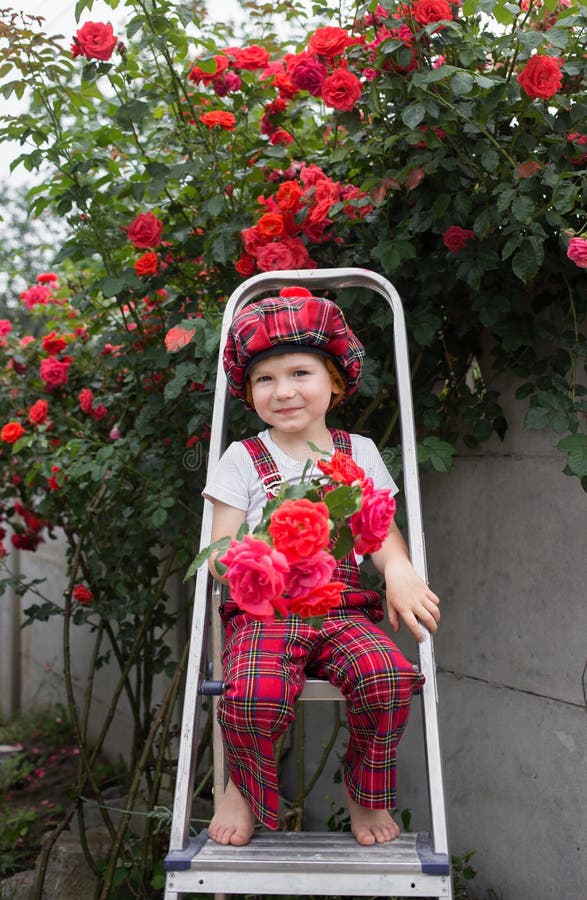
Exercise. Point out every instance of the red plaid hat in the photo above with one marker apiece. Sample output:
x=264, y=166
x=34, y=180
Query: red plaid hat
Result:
x=294, y=321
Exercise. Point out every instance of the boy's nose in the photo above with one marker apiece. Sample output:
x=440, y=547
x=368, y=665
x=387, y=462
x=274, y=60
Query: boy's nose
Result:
x=284, y=387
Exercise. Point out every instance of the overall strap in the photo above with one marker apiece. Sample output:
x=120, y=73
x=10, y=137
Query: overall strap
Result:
x=265, y=465
x=342, y=441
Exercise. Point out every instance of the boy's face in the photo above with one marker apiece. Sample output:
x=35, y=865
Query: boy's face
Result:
x=291, y=391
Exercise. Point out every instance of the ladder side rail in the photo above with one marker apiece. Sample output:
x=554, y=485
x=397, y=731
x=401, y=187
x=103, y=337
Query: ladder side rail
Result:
x=186, y=763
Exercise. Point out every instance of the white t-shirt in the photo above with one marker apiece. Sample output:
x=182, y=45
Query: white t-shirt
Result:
x=236, y=483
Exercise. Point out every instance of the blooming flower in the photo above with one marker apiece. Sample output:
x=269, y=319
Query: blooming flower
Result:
x=37, y=414
x=54, y=372
x=541, y=77
x=427, y=11
x=219, y=119
x=256, y=575
x=455, y=238
x=300, y=529
x=147, y=264
x=82, y=594
x=96, y=40
x=341, y=90
x=177, y=338
x=52, y=344
x=577, y=251
x=370, y=525
x=145, y=231
x=11, y=432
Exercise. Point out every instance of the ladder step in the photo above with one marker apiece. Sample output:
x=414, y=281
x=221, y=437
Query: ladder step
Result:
x=317, y=862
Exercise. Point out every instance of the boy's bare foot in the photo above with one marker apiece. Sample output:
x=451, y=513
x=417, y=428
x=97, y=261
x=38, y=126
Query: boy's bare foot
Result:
x=371, y=826
x=233, y=822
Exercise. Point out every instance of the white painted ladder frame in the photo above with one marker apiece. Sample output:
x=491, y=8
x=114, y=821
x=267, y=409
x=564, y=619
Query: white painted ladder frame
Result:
x=266, y=284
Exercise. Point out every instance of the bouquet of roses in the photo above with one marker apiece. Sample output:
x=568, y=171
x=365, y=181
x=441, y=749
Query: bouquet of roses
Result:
x=286, y=565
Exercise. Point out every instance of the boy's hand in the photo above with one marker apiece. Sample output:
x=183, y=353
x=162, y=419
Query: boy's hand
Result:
x=409, y=598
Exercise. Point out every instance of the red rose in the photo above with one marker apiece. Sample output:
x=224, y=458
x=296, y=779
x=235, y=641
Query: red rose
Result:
x=26, y=541
x=11, y=432
x=252, y=239
x=54, y=372
x=341, y=90
x=82, y=594
x=275, y=256
x=271, y=225
x=527, y=169
x=577, y=251
x=245, y=265
x=47, y=278
x=308, y=574
x=147, y=264
x=253, y=57
x=455, y=238
x=300, y=257
x=541, y=76
x=5, y=327
x=370, y=525
x=427, y=11
x=329, y=41
x=342, y=468
x=177, y=337
x=34, y=295
x=96, y=40
x=145, y=231
x=307, y=73
x=38, y=412
x=281, y=136
x=56, y=480
x=52, y=344
x=300, y=529
x=86, y=400
x=256, y=576
x=219, y=119
x=289, y=196
x=319, y=601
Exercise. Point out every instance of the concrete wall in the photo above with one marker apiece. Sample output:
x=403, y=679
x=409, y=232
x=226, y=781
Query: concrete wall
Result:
x=505, y=533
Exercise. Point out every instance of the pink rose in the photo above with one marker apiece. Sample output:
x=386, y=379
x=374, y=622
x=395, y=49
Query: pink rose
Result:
x=276, y=255
x=145, y=231
x=455, y=238
x=96, y=40
x=256, y=575
x=37, y=294
x=370, y=525
x=577, y=251
x=341, y=90
x=54, y=372
x=5, y=327
x=177, y=338
x=307, y=73
x=308, y=574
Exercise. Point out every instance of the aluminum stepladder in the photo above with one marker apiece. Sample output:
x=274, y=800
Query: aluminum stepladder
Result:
x=317, y=863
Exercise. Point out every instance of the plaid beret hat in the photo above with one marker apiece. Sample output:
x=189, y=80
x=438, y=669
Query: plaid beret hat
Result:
x=296, y=321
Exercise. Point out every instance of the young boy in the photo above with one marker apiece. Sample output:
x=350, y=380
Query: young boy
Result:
x=292, y=358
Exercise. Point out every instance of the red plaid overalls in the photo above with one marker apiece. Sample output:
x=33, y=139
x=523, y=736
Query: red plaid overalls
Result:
x=265, y=665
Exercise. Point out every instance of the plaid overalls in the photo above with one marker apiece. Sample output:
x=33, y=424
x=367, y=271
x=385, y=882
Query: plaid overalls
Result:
x=265, y=665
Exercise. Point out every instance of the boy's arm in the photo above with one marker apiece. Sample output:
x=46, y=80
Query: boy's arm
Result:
x=226, y=521
x=408, y=596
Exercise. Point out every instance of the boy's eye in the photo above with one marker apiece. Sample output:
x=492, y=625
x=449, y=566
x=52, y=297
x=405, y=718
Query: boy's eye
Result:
x=301, y=372
x=261, y=378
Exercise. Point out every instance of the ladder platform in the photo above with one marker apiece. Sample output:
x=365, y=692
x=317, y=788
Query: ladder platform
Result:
x=319, y=863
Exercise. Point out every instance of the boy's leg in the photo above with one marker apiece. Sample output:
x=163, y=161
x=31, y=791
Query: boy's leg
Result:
x=264, y=675
x=377, y=681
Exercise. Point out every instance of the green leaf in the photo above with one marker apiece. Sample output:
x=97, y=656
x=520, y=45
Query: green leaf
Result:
x=576, y=447
x=439, y=454
x=343, y=501
x=206, y=553
x=461, y=83
x=413, y=115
